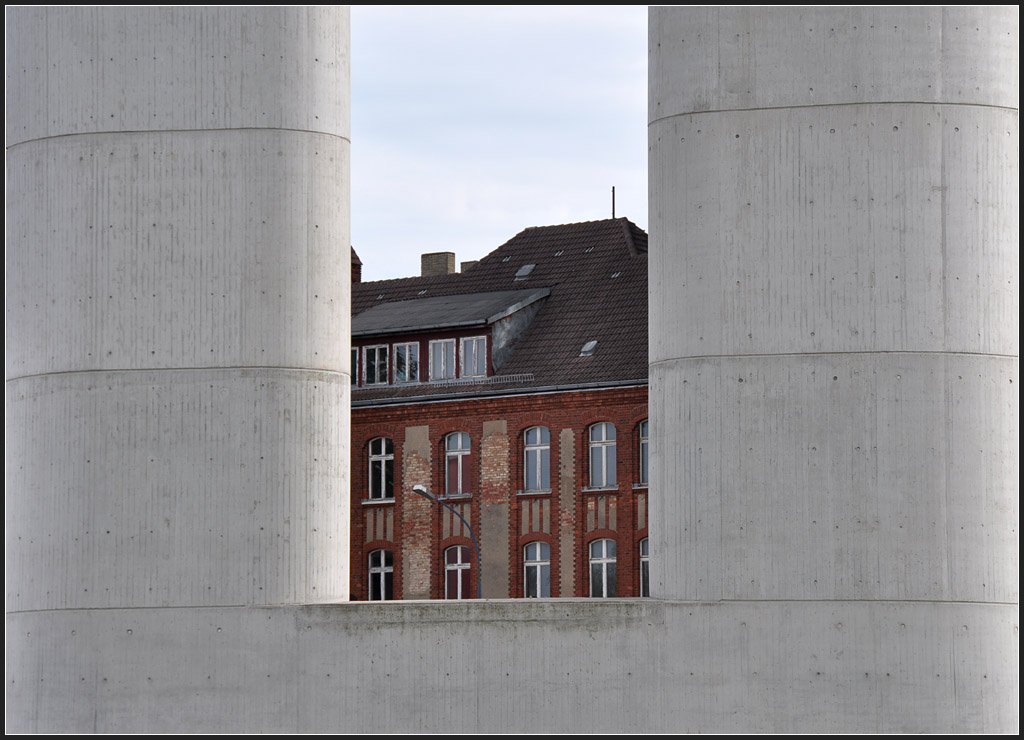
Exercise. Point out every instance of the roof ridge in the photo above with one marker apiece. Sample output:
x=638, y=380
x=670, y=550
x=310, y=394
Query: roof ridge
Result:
x=578, y=223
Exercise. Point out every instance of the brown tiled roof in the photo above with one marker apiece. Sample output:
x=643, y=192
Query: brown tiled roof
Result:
x=597, y=275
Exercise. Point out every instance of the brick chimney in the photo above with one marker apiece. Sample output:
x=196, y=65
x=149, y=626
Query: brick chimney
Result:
x=437, y=263
x=357, y=267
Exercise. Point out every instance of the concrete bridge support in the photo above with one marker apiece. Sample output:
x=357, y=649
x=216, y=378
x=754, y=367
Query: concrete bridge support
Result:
x=177, y=310
x=834, y=322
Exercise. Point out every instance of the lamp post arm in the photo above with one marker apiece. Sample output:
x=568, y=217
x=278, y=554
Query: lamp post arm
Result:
x=476, y=546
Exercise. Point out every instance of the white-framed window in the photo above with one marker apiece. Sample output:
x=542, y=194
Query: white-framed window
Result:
x=375, y=364
x=537, y=462
x=537, y=570
x=442, y=359
x=602, y=568
x=456, y=572
x=382, y=469
x=457, y=465
x=382, y=575
x=645, y=447
x=407, y=362
x=474, y=357
x=645, y=575
x=602, y=455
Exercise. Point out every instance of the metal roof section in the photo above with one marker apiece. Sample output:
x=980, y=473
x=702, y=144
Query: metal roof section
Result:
x=443, y=312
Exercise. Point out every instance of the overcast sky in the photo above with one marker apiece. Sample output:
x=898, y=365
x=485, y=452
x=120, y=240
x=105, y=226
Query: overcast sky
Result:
x=471, y=124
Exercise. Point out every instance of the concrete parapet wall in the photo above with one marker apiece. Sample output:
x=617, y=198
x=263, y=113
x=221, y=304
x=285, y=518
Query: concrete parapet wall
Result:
x=543, y=666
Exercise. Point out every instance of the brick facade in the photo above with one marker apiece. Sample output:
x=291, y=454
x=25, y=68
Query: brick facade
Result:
x=568, y=517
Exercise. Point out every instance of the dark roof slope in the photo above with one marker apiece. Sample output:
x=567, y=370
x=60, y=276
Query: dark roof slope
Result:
x=597, y=276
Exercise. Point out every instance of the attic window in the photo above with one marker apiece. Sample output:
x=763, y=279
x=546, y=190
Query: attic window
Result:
x=524, y=272
x=506, y=259
x=589, y=348
x=616, y=274
x=560, y=252
x=588, y=250
x=380, y=296
x=425, y=290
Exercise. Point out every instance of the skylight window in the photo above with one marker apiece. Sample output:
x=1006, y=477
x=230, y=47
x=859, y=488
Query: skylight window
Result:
x=524, y=272
x=589, y=348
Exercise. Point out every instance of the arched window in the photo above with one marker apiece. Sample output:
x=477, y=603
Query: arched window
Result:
x=382, y=575
x=645, y=577
x=456, y=572
x=537, y=570
x=645, y=441
x=537, y=466
x=458, y=467
x=382, y=469
x=602, y=455
x=602, y=568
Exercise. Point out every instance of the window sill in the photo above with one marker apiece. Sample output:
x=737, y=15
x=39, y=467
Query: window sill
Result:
x=454, y=496
x=640, y=486
x=535, y=492
x=599, y=489
x=374, y=501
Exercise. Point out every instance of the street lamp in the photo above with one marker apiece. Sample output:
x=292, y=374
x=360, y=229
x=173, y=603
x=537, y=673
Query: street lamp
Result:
x=422, y=491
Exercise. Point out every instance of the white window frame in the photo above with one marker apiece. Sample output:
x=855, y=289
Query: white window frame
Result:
x=645, y=570
x=537, y=570
x=645, y=452
x=537, y=445
x=408, y=348
x=442, y=372
x=377, y=349
x=384, y=457
x=382, y=575
x=463, y=567
x=478, y=367
x=603, y=563
x=461, y=454
x=602, y=452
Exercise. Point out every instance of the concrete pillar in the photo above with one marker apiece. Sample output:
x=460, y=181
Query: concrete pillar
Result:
x=834, y=317
x=178, y=307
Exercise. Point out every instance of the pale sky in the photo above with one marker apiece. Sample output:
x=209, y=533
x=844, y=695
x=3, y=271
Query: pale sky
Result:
x=471, y=124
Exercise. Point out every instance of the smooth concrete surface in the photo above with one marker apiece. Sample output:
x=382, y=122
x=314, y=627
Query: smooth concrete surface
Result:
x=565, y=665
x=187, y=488
x=716, y=59
x=177, y=249
x=837, y=476
x=177, y=307
x=857, y=228
x=114, y=70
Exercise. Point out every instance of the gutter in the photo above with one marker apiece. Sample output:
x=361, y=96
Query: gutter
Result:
x=501, y=393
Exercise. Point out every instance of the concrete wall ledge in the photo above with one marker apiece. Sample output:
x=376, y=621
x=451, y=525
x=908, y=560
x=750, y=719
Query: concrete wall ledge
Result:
x=457, y=667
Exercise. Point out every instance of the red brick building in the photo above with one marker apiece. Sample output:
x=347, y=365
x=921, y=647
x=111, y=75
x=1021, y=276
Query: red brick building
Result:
x=514, y=391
